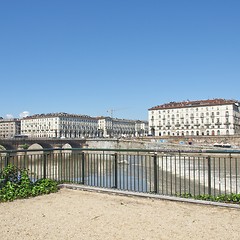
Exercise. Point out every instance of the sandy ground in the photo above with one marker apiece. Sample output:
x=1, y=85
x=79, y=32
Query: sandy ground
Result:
x=74, y=214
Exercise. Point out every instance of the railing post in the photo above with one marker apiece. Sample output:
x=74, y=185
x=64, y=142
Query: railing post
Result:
x=209, y=175
x=83, y=168
x=25, y=159
x=115, y=170
x=44, y=165
x=155, y=173
x=7, y=159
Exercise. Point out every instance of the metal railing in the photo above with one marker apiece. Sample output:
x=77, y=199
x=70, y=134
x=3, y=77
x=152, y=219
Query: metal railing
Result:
x=149, y=171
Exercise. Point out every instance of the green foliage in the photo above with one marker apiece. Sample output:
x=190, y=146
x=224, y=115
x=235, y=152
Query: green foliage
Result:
x=44, y=186
x=228, y=198
x=24, y=146
x=15, y=183
x=10, y=173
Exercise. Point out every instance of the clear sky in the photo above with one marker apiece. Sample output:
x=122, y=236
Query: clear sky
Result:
x=89, y=56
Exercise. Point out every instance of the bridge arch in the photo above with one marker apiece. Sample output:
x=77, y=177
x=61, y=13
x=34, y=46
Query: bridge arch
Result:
x=71, y=145
x=6, y=147
x=38, y=145
x=67, y=145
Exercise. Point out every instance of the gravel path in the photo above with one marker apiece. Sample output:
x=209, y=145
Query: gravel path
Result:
x=74, y=214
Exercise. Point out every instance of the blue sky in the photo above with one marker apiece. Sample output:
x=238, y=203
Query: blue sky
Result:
x=86, y=57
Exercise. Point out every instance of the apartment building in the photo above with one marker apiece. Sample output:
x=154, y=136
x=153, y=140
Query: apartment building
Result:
x=141, y=128
x=59, y=125
x=63, y=125
x=202, y=117
x=9, y=127
x=114, y=127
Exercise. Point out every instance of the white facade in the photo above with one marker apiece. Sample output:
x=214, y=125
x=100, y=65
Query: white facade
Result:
x=59, y=125
x=63, y=125
x=114, y=127
x=9, y=128
x=206, y=117
x=141, y=128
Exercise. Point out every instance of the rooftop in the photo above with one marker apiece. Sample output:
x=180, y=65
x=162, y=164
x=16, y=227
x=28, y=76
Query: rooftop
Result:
x=196, y=103
x=60, y=114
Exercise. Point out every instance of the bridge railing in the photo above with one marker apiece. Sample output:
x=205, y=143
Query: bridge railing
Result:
x=149, y=171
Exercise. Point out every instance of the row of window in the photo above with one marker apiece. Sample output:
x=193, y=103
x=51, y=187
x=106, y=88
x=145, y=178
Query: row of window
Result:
x=191, y=109
x=217, y=120
x=196, y=133
x=191, y=115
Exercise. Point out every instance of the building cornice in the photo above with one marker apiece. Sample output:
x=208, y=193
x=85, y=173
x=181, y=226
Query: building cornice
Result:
x=197, y=103
x=53, y=115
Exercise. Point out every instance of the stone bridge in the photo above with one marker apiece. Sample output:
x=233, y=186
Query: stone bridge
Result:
x=175, y=143
x=36, y=143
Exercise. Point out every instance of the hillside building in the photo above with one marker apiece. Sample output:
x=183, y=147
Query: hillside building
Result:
x=9, y=127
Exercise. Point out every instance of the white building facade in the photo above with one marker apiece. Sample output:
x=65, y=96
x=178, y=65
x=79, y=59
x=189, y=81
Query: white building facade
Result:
x=114, y=127
x=141, y=128
x=63, y=125
x=59, y=125
x=203, y=117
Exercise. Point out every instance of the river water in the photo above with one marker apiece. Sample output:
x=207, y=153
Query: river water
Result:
x=173, y=174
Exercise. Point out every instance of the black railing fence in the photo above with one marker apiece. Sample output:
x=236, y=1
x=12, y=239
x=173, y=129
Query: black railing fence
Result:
x=148, y=171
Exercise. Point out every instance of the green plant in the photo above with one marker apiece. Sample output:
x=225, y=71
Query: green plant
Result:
x=24, y=146
x=228, y=198
x=10, y=173
x=44, y=186
x=15, y=183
